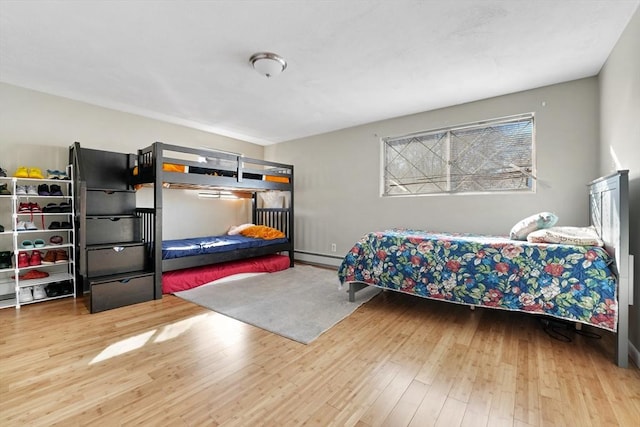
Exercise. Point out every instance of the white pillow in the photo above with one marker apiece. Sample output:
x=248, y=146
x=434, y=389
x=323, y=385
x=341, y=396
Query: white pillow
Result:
x=578, y=236
x=237, y=229
x=532, y=223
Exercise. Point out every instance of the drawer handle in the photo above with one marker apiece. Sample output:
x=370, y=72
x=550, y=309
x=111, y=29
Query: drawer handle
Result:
x=114, y=219
x=118, y=248
x=125, y=281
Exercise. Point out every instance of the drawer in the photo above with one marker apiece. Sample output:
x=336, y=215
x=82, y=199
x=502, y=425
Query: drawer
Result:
x=110, y=202
x=115, y=229
x=120, y=292
x=106, y=260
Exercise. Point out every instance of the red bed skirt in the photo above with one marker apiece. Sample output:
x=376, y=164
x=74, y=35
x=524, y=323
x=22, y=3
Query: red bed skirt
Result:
x=181, y=280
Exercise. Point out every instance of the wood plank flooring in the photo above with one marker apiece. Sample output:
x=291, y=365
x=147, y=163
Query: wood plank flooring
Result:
x=397, y=361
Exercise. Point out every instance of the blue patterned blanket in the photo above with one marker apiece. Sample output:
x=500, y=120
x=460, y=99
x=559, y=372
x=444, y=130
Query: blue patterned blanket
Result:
x=573, y=283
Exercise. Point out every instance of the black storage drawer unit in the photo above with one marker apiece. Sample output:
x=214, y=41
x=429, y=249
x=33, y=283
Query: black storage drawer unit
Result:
x=120, y=291
x=114, y=229
x=125, y=258
x=103, y=202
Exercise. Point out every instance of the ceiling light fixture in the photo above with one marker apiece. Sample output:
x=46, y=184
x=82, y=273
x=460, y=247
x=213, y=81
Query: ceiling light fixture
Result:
x=268, y=64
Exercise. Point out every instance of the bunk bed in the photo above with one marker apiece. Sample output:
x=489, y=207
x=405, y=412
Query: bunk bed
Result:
x=582, y=284
x=167, y=166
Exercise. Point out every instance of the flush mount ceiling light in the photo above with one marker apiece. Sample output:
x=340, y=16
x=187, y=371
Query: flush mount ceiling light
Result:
x=267, y=63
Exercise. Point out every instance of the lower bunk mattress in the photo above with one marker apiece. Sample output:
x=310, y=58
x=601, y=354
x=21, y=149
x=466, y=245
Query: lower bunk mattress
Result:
x=213, y=244
x=573, y=283
x=181, y=280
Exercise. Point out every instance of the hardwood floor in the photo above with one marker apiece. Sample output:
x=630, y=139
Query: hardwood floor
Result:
x=397, y=361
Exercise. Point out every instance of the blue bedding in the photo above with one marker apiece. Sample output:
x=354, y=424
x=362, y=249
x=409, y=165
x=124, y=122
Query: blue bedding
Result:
x=212, y=244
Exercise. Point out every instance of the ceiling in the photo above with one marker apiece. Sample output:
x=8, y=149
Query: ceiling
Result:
x=349, y=62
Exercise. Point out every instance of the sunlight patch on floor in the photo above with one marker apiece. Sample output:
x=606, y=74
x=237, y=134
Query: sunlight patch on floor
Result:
x=165, y=333
x=123, y=346
x=176, y=329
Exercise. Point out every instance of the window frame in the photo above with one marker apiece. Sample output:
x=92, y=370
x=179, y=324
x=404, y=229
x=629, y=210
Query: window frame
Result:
x=530, y=174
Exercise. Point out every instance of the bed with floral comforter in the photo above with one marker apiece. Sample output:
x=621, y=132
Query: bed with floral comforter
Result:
x=569, y=282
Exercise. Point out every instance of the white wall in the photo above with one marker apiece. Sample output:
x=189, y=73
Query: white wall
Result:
x=337, y=174
x=36, y=129
x=620, y=140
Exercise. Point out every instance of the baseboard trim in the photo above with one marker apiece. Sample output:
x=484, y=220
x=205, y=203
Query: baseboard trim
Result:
x=635, y=354
x=317, y=258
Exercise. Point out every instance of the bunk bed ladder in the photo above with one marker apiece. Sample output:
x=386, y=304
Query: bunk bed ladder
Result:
x=115, y=239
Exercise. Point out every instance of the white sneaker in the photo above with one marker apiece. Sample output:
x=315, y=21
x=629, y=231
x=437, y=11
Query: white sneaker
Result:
x=21, y=226
x=30, y=226
x=32, y=190
x=38, y=292
x=25, y=294
x=21, y=190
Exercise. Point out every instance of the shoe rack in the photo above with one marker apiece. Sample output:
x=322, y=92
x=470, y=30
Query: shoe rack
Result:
x=37, y=245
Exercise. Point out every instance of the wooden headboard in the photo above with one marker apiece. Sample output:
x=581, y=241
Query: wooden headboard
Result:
x=609, y=214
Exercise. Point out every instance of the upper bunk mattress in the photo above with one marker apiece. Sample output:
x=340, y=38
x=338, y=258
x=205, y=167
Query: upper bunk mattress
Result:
x=570, y=282
x=212, y=244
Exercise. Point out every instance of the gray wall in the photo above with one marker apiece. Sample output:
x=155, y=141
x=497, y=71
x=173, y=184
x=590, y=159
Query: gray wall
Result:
x=36, y=129
x=620, y=140
x=337, y=177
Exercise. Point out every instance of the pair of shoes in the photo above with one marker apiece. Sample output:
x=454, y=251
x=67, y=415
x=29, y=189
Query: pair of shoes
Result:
x=25, y=294
x=4, y=190
x=64, y=207
x=5, y=259
x=53, y=190
x=34, y=274
x=51, y=208
x=56, y=240
x=59, y=288
x=24, y=172
x=56, y=174
x=28, y=244
x=29, y=207
x=57, y=225
x=27, y=190
x=3, y=172
x=26, y=260
x=25, y=225
x=55, y=256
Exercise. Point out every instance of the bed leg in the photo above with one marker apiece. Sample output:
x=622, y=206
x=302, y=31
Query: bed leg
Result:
x=472, y=307
x=353, y=288
x=578, y=326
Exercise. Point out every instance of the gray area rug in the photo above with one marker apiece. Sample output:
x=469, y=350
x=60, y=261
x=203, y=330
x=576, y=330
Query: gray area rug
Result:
x=299, y=303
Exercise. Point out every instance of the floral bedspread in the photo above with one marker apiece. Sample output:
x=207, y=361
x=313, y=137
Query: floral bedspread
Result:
x=573, y=283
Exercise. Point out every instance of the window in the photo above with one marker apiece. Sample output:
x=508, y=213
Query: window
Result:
x=491, y=156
